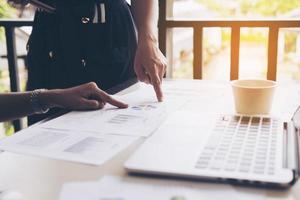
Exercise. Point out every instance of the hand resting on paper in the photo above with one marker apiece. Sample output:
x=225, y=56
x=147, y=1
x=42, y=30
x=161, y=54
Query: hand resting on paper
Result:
x=84, y=97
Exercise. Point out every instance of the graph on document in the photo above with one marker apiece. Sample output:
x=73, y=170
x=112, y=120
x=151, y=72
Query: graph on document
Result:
x=145, y=107
x=121, y=119
x=139, y=120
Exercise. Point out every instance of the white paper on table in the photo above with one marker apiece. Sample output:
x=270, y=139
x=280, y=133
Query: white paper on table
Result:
x=132, y=188
x=141, y=118
x=77, y=146
x=286, y=100
x=201, y=96
x=145, y=114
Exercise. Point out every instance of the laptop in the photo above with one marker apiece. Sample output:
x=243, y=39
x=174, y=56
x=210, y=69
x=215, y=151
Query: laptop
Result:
x=255, y=150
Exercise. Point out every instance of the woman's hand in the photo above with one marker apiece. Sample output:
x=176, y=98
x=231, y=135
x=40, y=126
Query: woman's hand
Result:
x=83, y=97
x=150, y=64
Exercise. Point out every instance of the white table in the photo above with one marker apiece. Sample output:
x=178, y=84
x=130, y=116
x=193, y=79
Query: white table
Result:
x=42, y=178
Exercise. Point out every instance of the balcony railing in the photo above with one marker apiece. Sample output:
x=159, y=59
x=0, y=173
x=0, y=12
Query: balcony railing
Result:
x=165, y=35
x=9, y=27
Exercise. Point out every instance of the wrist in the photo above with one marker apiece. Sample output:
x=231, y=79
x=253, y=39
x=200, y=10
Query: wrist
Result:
x=37, y=104
x=49, y=98
x=146, y=35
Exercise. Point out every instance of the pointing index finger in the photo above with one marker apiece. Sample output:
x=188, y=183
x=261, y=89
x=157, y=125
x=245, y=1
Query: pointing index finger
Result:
x=107, y=98
x=156, y=82
x=157, y=88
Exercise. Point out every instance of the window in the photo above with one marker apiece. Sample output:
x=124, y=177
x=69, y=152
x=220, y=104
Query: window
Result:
x=216, y=41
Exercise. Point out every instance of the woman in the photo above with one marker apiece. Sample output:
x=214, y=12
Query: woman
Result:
x=95, y=40
x=83, y=97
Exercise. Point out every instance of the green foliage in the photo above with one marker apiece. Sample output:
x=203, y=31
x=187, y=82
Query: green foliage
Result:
x=261, y=7
x=245, y=6
x=9, y=129
x=6, y=11
x=251, y=37
x=290, y=42
x=275, y=7
x=215, y=5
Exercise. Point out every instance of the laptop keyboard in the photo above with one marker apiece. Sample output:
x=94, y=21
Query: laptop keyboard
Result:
x=241, y=144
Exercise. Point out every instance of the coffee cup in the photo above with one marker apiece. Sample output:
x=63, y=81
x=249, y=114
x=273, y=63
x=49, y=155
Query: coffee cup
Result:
x=253, y=96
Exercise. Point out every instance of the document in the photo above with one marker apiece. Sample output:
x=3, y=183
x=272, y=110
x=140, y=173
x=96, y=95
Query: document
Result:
x=131, y=188
x=141, y=118
x=93, y=137
x=72, y=145
x=201, y=96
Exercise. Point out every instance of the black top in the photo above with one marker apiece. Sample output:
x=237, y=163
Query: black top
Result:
x=66, y=49
x=82, y=52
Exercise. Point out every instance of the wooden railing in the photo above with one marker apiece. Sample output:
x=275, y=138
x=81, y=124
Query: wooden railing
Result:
x=166, y=24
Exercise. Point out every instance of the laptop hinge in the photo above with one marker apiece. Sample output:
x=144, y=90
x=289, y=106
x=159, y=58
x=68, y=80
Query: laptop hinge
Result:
x=297, y=151
x=294, y=129
x=290, y=148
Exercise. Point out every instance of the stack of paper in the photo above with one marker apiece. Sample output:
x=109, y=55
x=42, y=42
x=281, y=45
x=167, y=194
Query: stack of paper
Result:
x=141, y=118
x=77, y=146
x=96, y=136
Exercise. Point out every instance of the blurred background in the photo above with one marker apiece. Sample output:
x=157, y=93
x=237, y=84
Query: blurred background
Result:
x=254, y=41
x=216, y=41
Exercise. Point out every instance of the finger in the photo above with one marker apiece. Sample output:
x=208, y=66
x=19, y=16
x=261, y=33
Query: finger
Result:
x=165, y=71
x=107, y=98
x=101, y=104
x=156, y=83
x=161, y=71
x=88, y=104
x=140, y=72
x=157, y=88
x=148, y=79
x=161, y=74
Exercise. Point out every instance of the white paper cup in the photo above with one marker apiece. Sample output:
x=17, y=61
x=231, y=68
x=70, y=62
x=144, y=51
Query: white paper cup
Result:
x=253, y=97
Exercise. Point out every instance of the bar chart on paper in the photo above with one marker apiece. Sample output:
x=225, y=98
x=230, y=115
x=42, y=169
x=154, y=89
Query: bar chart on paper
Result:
x=141, y=118
x=76, y=146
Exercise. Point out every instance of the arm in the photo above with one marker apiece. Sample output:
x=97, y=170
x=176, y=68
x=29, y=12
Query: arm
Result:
x=150, y=63
x=14, y=105
x=83, y=97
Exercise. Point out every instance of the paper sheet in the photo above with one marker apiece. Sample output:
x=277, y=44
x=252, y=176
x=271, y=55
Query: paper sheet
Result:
x=141, y=118
x=201, y=96
x=74, y=146
x=130, y=188
x=145, y=114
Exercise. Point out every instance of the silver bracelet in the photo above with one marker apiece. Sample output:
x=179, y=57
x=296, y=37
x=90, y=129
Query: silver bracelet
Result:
x=37, y=106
